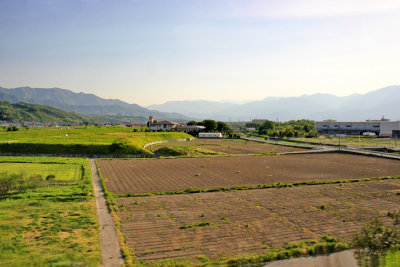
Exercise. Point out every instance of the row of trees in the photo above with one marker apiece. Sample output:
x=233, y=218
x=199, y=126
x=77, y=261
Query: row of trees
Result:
x=214, y=126
x=292, y=128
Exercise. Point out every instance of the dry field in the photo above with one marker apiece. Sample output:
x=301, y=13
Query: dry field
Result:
x=226, y=224
x=160, y=175
x=230, y=146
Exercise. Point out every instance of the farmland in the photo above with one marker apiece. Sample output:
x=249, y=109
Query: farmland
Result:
x=50, y=222
x=352, y=141
x=228, y=146
x=238, y=223
x=146, y=176
x=81, y=140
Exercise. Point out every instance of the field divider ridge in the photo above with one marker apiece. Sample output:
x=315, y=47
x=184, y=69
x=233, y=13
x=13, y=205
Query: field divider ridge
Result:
x=165, y=141
x=260, y=186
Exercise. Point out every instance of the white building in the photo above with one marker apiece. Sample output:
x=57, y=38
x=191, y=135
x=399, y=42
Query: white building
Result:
x=210, y=135
x=161, y=126
x=379, y=128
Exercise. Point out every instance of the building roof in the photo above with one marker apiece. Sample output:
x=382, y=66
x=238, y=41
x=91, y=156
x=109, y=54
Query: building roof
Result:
x=190, y=127
x=164, y=123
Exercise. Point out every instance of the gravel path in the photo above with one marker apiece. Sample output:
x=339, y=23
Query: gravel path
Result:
x=110, y=250
x=339, y=259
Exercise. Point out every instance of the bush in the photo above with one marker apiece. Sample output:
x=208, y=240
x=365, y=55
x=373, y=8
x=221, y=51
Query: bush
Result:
x=18, y=183
x=50, y=177
x=375, y=237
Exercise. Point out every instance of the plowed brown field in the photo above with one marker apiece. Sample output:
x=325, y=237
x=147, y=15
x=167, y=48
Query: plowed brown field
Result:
x=159, y=175
x=230, y=146
x=244, y=222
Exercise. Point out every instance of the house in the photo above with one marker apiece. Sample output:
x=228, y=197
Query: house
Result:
x=210, y=135
x=161, y=126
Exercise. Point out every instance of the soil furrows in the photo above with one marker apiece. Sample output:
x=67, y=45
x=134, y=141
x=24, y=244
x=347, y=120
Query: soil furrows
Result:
x=146, y=176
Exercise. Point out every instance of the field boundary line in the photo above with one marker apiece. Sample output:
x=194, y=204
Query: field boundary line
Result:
x=165, y=141
x=279, y=143
x=254, y=187
x=370, y=153
x=110, y=250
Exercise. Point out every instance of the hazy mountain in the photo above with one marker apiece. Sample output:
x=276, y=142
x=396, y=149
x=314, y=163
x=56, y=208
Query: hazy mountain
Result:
x=20, y=112
x=372, y=105
x=87, y=104
x=195, y=108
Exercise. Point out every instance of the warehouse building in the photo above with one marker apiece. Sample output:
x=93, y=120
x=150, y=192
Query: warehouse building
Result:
x=378, y=128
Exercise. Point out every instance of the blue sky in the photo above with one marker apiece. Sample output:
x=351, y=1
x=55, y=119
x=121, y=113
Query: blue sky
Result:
x=149, y=52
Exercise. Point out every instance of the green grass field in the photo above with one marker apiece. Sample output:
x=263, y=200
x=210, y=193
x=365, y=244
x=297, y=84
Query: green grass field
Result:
x=61, y=171
x=81, y=140
x=54, y=224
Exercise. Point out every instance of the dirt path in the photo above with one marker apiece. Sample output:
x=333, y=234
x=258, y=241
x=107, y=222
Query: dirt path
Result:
x=110, y=250
x=340, y=259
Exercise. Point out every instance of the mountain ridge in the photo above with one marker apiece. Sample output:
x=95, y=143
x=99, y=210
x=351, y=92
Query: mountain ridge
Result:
x=319, y=106
x=87, y=104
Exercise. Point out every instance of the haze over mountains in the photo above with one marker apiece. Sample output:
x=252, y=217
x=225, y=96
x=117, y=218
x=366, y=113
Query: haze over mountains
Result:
x=87, y=104
x=372, y=105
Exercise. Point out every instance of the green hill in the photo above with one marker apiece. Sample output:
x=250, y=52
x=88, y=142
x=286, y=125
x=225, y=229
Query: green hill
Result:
x=20, y=112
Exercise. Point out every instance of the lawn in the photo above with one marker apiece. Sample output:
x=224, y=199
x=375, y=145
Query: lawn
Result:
x=81, y=140
x=53, y=224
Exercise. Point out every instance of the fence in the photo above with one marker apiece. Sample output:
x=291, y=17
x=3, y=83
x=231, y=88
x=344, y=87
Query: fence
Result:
x=117, y=156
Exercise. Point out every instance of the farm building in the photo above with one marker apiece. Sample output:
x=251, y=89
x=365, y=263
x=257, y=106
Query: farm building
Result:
x=170, y=126
x=379, y=128
x=161, y=126
x=189, y=128
x=210, y=135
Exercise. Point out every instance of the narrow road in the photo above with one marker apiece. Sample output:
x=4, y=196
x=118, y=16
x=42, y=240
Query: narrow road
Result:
x=110, y=251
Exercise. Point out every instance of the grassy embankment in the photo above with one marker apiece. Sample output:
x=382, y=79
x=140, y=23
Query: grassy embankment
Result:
x=184, y=151
x=50, y=222
x=81, y=140
x=357, y=142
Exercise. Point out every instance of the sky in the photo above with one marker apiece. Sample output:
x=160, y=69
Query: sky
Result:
x=153, y=51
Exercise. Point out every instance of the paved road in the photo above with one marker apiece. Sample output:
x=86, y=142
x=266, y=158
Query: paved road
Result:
x=339, y=259
x=110, y=251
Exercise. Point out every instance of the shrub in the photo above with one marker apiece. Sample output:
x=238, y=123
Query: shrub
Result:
x=50, y=177
x=18, y=183
x=375, y=237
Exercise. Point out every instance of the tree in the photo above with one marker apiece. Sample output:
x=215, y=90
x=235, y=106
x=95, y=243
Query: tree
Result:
x=211, y=125
x=224, y=128
x=266, y=126
x=252, y=125
x=307, y=128
x=192, y=123
x=376, y=237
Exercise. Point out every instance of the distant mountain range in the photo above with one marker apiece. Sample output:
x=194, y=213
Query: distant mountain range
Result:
x=87, y=104
x=372, y=105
